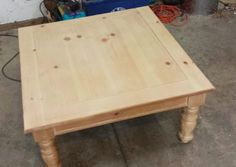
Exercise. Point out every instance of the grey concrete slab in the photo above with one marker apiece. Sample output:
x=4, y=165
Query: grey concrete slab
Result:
x=211, y=44
x=149, y=141
x=96, y=147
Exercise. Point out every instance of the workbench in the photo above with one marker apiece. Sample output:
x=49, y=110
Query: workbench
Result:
x=102, y=69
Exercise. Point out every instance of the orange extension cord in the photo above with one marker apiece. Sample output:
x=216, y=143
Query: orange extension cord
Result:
x=168, y=14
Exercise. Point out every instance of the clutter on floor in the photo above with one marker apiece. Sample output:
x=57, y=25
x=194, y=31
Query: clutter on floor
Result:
x=70, y=9
x=93, y=7
x=174, y=12
x=170, y=14
x=169, y=11
x=225, y=10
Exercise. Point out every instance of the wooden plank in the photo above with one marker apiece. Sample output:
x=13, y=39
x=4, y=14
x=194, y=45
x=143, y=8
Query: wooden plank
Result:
x=31, y=98
x=19, y=24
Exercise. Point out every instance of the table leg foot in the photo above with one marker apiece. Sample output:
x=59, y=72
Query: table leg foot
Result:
x=188, y=123
x=46, y=141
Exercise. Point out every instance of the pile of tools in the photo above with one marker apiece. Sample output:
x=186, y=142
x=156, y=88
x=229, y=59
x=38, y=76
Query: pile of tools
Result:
x=57, y=10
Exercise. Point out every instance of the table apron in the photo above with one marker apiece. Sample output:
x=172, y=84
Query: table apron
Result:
x=119, y=115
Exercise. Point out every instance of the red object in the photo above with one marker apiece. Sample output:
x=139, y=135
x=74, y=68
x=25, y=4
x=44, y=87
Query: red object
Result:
x=168, y=14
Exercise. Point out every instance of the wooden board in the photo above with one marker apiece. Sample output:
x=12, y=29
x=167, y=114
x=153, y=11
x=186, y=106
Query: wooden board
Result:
x=76, y=69
x=18, y=24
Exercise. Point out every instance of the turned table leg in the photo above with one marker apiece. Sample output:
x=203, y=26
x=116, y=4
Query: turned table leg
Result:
x=189, y=118
x=46, y=141
x=188, y=123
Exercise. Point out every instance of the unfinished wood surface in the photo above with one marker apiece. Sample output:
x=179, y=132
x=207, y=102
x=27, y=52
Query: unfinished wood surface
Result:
x=120, y=115
x=45, y=139
x=189, y=117
x=76, y=69
x=188, y=123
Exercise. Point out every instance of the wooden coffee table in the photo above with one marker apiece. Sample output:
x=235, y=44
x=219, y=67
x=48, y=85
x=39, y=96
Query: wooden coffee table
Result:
x=97, y=70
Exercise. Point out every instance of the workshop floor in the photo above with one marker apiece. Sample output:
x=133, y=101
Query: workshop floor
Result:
x=143, y=142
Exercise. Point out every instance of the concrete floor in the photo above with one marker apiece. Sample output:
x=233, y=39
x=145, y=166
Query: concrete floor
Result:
x=143, y=142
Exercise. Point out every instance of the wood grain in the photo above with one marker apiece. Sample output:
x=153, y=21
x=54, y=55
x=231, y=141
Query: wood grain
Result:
x=45, y=139
x=74, y=70
x=120, y=115
x=189, y=117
